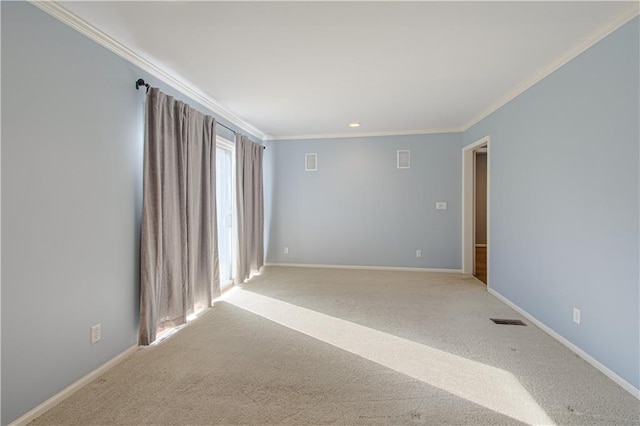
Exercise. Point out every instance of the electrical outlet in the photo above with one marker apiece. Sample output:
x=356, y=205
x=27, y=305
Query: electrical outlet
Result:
x=576, y=315
x=418, y=253
x=96, y=334
x=286, y=250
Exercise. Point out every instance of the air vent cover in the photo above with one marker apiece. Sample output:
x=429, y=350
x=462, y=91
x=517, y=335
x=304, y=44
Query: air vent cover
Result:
x=311, y=162
x=507, y=321
x=404, y=159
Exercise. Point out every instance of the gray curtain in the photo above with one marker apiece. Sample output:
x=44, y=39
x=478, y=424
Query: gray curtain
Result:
x=249, y=208
x=179, y=256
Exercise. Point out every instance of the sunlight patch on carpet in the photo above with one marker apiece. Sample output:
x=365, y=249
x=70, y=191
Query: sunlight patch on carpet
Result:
x=488, y=386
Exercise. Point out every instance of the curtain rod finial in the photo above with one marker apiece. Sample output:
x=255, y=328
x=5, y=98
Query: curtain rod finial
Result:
x=141, y=82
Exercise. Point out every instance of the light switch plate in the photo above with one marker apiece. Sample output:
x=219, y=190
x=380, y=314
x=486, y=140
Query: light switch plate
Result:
x=441, y=205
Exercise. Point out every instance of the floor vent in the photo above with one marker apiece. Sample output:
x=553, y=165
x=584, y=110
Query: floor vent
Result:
x=507, y=321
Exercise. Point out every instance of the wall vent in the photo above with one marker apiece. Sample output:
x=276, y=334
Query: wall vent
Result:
x=507, y=321
x=404, y=159
x=311, y=162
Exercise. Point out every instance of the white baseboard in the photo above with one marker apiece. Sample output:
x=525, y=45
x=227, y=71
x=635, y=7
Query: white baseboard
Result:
x=582, y=354
x=375, y=268
x=75, y=386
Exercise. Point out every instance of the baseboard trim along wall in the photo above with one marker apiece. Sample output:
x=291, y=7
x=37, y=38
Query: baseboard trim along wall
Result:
x=582, y=354
x=375, y=268
x=69, y=390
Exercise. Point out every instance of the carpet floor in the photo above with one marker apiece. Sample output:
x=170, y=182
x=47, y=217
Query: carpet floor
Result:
x=339, y=346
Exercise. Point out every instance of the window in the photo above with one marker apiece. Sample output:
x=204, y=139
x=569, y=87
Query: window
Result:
x=225, y=209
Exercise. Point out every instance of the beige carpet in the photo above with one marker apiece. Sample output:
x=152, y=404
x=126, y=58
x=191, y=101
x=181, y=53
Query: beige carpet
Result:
x=352, y=347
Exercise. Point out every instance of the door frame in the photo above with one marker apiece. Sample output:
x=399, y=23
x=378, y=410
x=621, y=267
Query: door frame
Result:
x=468, y=204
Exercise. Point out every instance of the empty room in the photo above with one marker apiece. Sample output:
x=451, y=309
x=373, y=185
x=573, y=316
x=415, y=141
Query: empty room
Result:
x=340, y=212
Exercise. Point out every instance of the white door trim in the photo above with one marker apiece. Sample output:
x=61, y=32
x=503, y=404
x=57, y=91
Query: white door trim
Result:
x=468, y=204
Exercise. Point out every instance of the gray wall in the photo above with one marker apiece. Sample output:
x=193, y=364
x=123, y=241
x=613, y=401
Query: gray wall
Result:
x=481, y=198
x=358, y=208
x=564, y=200
x=72, y=146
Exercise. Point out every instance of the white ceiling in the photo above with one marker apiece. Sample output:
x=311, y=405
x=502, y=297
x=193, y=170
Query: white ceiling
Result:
x=298, y=69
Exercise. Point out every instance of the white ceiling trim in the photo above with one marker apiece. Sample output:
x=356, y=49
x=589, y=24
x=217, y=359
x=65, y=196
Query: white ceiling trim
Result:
x=598, y=35
x=73, y=21
x=364, y=135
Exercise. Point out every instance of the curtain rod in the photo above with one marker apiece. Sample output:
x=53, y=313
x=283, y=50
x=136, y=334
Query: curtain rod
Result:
x=141, y=82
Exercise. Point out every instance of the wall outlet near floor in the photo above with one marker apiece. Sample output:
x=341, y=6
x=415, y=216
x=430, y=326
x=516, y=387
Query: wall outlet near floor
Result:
x=286, y=250
x=576, y=315
x=418, y=253
x=96, y=334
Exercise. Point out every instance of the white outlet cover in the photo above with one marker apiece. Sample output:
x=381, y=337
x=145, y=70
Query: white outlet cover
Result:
x=418, y=253
x=576, y=315
x=286, y=250
x=96, y=334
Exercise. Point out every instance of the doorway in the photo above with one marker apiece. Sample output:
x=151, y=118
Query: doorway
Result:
x=475, y=202
x=480, y=214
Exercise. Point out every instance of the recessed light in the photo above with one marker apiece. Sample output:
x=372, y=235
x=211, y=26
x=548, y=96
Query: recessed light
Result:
x=354, y=124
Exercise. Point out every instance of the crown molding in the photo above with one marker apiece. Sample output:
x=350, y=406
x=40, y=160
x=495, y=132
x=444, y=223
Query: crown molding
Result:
x=364, y=135
x=59, y=12
x=602, y=32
